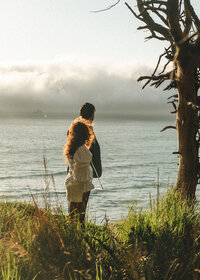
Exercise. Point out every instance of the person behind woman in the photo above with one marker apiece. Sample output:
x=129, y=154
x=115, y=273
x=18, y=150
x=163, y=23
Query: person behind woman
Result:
x=87, y=112
x=78, y=157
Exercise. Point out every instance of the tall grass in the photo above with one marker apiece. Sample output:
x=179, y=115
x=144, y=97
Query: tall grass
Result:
x=168, y=235
x=161, y=242
x=36, y=244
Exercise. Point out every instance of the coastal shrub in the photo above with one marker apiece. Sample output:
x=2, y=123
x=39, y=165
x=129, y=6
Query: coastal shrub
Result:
x=168, y=233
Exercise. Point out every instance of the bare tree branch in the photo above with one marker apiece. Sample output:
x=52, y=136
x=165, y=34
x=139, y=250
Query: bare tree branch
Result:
x=165, y=66
x=142, y=27
x=173, y=84
x=167, y=127
x=193, y=14
x=157, y=10
x=153, y=77
x=152, y=25
x=156, y=37
x=172, y=13
x=157, y=2
x=160, y=16
x=188, y=20
x=107, y=8
x=174, y=96
x=132, y=11
x=150, y=22
x=159, y=82
x=174, y=105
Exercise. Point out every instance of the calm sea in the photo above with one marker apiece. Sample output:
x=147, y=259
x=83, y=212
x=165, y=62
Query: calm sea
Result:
x=132, y=153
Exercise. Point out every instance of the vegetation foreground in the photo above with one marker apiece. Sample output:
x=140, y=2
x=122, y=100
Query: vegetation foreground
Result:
x=159, y=243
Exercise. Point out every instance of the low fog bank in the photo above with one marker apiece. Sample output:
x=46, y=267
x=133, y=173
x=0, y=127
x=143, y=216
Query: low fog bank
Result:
x=58, y=89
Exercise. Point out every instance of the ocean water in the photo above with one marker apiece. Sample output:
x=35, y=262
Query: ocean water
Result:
x=134, y=154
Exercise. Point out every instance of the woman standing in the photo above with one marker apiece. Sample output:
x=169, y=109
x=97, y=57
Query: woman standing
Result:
x=78, y=157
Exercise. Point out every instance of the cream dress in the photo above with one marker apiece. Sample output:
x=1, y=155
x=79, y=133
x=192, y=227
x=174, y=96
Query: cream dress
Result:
x=79, y=178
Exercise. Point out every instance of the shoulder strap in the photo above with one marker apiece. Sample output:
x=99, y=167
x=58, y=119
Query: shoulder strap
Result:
x=97, y=175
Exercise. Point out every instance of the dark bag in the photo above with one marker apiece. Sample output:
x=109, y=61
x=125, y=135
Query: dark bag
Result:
x=96, y=158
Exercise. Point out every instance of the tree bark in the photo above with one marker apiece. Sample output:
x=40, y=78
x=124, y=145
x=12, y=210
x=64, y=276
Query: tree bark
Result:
x=187, y=124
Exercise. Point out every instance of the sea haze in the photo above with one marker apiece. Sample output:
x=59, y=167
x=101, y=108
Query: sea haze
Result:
x=132, y=153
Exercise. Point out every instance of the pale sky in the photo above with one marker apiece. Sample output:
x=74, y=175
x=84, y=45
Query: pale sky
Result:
x=53, y=49
x=44, y=30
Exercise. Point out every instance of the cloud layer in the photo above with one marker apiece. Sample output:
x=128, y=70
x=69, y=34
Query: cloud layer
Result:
x=62, y=86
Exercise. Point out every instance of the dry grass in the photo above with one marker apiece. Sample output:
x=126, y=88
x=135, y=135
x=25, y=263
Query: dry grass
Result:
x=159, y=243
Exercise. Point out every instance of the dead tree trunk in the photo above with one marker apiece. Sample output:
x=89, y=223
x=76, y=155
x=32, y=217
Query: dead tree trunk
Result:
x=187, y=126
x=175, y=21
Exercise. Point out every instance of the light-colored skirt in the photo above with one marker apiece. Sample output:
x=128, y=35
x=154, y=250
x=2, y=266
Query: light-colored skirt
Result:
x=75, y=189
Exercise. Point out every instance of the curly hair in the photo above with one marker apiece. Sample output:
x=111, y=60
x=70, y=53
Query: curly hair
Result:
x=80, y=133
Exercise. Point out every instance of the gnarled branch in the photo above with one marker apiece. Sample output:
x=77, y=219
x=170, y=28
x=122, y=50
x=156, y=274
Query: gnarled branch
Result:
x=150, y=22
x=159, y=79
x=168, y=127
x=174, y=26
x=188, y=20
x=193, y=14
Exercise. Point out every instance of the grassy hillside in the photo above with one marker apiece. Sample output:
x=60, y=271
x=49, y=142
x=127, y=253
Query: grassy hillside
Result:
x=159, y=243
